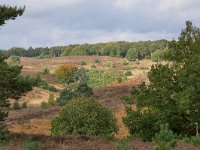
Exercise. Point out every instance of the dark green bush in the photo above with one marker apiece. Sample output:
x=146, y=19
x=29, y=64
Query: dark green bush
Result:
x=16, y=106
x=84, y=116
x=128, y=73
x=5, y=134
x=83, y=63
x=29, y=82
x=44, y=105
x=141, y=124
x=67, y=94
x=24, y=105
x=93, y=66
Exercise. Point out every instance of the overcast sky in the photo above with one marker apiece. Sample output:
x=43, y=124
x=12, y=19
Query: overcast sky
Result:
x=63, y=22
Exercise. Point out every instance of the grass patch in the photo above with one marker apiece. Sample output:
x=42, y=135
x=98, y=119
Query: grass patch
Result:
x=103, y=78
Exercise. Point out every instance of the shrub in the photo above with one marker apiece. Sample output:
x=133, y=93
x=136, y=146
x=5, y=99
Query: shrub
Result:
x=102, y=78
x=80, y=75
x=30, y=145
x=194, y=140
x=119, y=80
x=122, y=145
x=51, y=101
x=83, y=63
x=128, y=73
x=28, y=82
x=124, y=63
x=44, y=105
x=84, y=116
x=16, y=106
x=93, y=66
x=24, y=105
x=67, y=94
x=165, y=139
x=45, y=71
x=96, y=61
x=13, y=60
x=5, y=134
x=141, y=124
x=64, y=73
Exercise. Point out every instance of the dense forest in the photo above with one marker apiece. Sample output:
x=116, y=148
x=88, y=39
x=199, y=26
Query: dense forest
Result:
x=131, y=50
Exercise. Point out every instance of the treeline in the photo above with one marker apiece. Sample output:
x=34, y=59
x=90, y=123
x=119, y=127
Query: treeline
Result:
x=131, y=50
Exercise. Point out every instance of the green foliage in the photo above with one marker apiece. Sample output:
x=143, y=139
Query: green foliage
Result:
x=102, y=78
x=67, y=94
x=83, y=63
x=16, y=106
x=128, y=73
x=112, y=65
x=159, y=55
x=45, y=105
x=124, y=63
x=93, y=66
x=141, y=124
x=5, y=134
x=24, y=105
x=194, y=140
x=9, y=13
x=122, y=145
x=8, y=74
x=45, y=71
x=84, y=116
x=64, y=73
x=51, y=101
x=133, y=54
x=172, y=94
x=165, y=139
x=29, y=82
x=114, y=49
x=30, y=145
x=96, y=61
x=80, y=75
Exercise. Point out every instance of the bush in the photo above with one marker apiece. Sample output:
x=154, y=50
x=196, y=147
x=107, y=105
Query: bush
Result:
x=24, y=105
x=93, y=66
x=64, y=73
x=44, y=105
x=128, y=73
x=67, y=94
x=28, y=82
x=122, y=145
x=45, y=71
x=4, y=134
x=83, y=63
x=80, y=75
x=124, y=63
x=97, y=61
x=194, y=140
x=13, y=60
x=30, y=145
x=16, y=106
x=165, y=139
x=51, y=101
x=141, y=124
x=84, y=116
x=102, y=78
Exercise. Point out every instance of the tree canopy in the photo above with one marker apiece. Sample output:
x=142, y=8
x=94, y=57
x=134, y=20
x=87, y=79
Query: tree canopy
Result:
x=173, y=94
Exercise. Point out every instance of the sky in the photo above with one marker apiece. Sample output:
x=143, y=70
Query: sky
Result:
x=47, y=23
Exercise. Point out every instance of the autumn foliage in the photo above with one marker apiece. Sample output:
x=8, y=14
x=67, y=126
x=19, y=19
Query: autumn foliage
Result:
x=64, y=73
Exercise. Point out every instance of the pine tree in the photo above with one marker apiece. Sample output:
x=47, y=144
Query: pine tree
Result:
x=8, y=74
